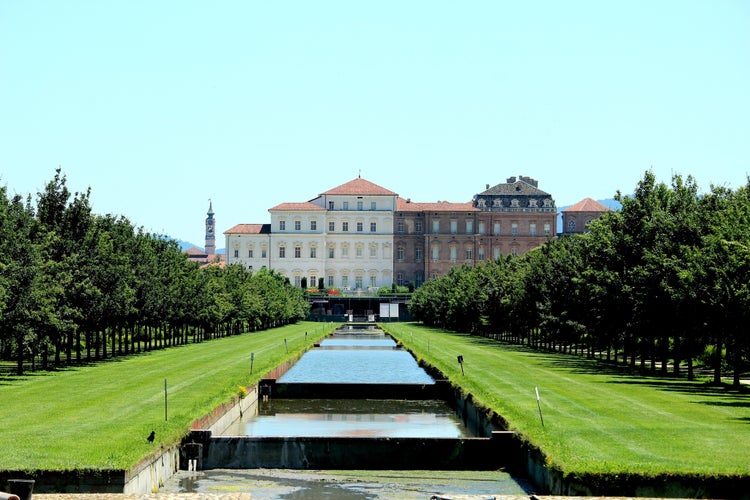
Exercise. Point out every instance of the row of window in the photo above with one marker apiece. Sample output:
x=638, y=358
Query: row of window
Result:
x=360, y=205
x=401, y=227
x=359, y=225
x=453, y=253
x=469, y=228
x=373, y=252
x=359, y=251
x=357, y=282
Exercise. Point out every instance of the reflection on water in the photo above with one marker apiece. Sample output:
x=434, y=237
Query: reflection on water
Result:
x=351, y=418
x=375, y=341
x=371, y=366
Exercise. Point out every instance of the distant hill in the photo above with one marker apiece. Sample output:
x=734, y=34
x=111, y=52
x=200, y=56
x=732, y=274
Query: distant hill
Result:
x=184, y=245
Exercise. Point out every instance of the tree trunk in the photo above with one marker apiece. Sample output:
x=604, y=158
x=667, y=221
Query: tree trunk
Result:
x=717, y=362
x=20, y=347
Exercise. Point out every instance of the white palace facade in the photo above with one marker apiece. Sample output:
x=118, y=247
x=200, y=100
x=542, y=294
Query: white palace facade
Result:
x=344, y=236
x=360, y=235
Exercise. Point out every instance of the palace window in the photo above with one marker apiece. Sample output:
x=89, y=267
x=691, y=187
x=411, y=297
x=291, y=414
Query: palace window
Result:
x=496, y=229
x=400, y=254
x=345, y=226
x=453, y=254
x=313, y=253
x=297, y=251
x=418, y=226
x=331, y=226
x=546, y=230
x=532, y=229
x=360, y=227
x=514, y=229
x=400, y=227
x=360, y=205
x=454, y=227
x=331, y=252
x=313, y=225
x=346, y=205
x=282, y=252
x=297, y=225
x=469, y=227
x=373, y=227
x=436, y=226
x=282, y=225
x=418, y=254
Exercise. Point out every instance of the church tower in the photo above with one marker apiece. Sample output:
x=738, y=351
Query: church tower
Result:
x=210, y=231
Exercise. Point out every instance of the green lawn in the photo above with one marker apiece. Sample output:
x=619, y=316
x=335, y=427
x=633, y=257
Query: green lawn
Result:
x=597, y=418
x=99, y=416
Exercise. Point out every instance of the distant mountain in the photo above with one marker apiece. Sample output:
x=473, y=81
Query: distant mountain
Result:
x=184, y=245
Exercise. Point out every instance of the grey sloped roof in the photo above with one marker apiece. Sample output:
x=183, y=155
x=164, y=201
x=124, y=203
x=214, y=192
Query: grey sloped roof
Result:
x=514, y=188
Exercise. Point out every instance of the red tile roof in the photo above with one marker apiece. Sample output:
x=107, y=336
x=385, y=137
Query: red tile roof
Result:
x=440, y=206
x=305, y=206
x=362, y=187
x=587, y=205
x=249, y=229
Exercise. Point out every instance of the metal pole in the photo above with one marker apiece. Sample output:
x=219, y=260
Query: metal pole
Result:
x=165, y=400
x=539, y=405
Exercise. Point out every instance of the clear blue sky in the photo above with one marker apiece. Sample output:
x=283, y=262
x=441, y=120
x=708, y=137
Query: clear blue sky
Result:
x=160, y=105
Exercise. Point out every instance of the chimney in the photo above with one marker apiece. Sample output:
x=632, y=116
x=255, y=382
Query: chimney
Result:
x=511, y=180
x=488, y=186
x=529, y=180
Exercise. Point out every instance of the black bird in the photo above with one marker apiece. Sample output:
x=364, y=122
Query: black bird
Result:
x=150, y=437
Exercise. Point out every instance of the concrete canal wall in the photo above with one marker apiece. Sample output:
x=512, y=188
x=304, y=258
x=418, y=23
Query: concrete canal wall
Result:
x=245, y=452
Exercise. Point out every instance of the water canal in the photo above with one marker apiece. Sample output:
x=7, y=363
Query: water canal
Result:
x=364, y=356
x=346, y=405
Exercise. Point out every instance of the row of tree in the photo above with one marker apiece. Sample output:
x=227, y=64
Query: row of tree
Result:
x=77, y=286
x=660, y=283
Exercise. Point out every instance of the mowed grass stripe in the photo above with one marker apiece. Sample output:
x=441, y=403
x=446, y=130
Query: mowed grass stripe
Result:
x=98, y=416
x=597, y=418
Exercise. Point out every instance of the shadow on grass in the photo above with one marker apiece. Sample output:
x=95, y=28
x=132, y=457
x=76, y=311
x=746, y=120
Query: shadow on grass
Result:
x=707, y=393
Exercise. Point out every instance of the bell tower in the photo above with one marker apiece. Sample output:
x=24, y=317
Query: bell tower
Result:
x=210, y=230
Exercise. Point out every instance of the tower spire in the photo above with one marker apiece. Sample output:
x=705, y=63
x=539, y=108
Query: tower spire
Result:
x=210, y=230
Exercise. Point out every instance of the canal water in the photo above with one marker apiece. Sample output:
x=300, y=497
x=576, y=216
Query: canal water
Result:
x=352, y=355
x=351, y=418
